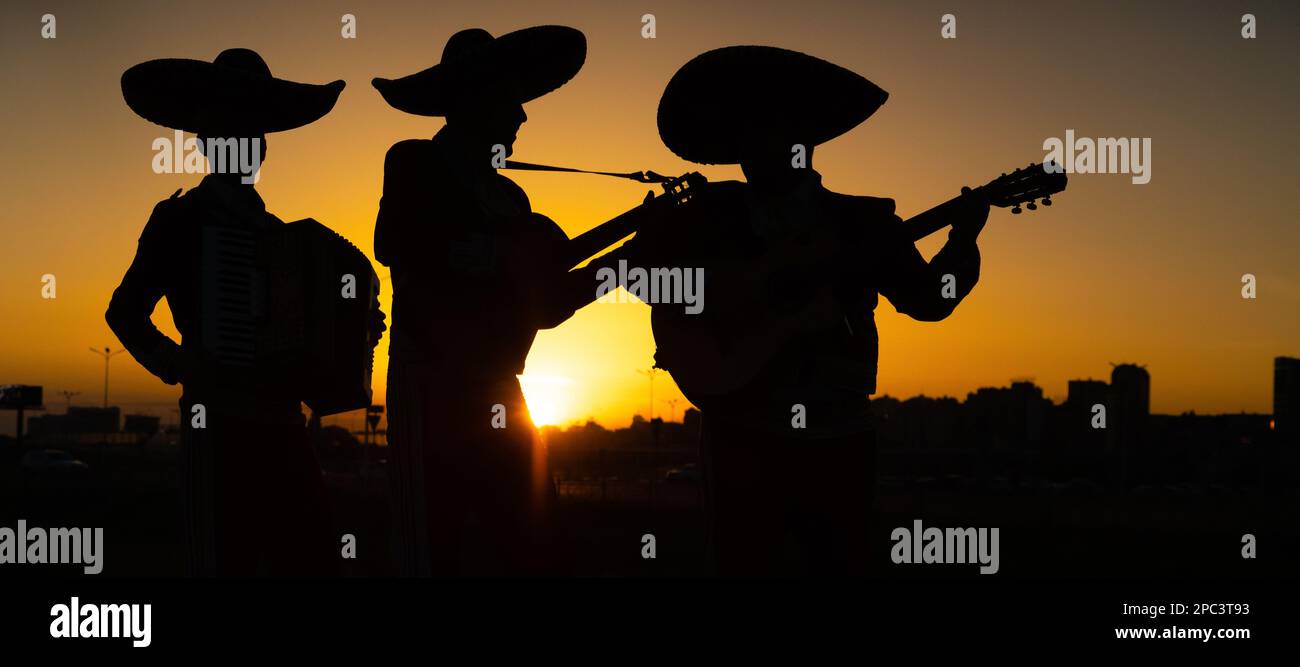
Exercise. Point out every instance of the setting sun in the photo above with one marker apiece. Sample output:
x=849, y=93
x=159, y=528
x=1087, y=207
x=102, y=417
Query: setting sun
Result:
x=547, y=397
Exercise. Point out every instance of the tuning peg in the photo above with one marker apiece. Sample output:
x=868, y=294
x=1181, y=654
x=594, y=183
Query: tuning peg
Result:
x=1016, y=209
x=1031, y=205
x=1047, y=201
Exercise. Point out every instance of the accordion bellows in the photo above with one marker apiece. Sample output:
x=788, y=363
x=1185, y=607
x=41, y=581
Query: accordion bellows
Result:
x=297, y=305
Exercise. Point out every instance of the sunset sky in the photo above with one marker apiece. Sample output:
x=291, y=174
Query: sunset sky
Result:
x=1115, y=272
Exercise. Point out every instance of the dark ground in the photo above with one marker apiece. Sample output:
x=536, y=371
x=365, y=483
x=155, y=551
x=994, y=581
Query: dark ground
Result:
x=1047, y=529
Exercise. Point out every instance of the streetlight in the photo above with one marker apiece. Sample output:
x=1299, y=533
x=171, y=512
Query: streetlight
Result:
x=107, y=354
x=650, y=373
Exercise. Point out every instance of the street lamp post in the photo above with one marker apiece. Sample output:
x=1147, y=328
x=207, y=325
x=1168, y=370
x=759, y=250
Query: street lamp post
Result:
x=650, y=373
x=107, y=354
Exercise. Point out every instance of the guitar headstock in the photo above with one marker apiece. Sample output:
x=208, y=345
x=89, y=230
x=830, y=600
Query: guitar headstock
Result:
x=1025, y=185
x=681, y=189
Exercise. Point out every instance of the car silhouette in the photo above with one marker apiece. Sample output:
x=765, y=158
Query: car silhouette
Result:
x=51, y=460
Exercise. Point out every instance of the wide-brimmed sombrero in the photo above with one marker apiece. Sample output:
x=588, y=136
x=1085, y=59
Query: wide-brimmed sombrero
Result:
x=524, y=64
x=716, y=102
x=232, y=96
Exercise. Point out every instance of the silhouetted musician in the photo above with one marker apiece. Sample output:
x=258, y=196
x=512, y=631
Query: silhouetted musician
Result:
x=783, y=358
x=254, y=497
x=476, y=273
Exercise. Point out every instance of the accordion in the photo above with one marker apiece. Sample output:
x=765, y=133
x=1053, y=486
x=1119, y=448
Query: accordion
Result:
x=298, y=306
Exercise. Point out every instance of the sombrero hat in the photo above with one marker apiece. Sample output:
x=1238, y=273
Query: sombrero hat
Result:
x=525, y=64
x=232, y=96
x=716, y=102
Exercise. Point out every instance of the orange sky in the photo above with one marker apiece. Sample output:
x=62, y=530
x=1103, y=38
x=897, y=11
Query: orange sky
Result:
x=1115, y=272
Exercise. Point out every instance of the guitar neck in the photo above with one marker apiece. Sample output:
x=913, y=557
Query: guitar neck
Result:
x=592, y=241
x=924, y=224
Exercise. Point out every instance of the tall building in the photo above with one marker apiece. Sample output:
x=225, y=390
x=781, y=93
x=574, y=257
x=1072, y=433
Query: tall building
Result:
x=1286, y=399
x=1130, y=387
x=1077, y=416
x=1129, y=407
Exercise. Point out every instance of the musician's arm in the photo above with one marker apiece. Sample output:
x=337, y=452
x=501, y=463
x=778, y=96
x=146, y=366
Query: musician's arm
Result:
x=134, y=300
x=928, y=291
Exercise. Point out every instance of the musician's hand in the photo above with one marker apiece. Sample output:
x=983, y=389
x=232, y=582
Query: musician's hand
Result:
x=195, y=368
x=164, y=361
x=972, y=213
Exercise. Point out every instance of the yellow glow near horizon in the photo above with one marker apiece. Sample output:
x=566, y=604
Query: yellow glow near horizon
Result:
x=547, y=398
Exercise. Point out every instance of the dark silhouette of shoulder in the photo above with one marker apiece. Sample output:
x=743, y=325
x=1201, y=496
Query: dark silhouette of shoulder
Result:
x=405, y=162
x=167, y=216
x=408, y=152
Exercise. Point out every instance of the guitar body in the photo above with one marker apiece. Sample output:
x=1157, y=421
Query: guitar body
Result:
x=531, y=260
x=709, y=360
x=758, y=296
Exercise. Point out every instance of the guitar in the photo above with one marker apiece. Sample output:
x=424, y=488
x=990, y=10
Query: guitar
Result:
x=1016, y=190
x=754, y=314
x=677, y=192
